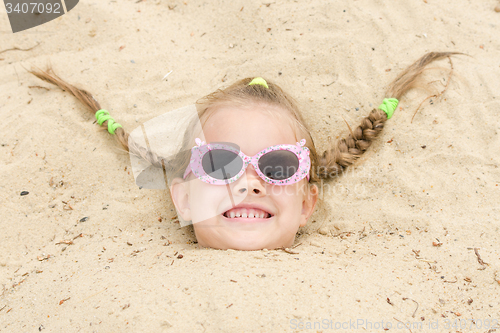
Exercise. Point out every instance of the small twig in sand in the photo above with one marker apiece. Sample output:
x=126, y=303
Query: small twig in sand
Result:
x=428, y=261
x=63, y=300
x=479, y=260
x=439, y=94
x=66, y=241
x=19, y=49
x=39, y=87
x=287, y=250
x=44, y=257
x=414, y=312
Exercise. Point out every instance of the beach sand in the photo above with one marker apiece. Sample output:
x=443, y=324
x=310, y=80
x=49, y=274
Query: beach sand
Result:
x=409, y=236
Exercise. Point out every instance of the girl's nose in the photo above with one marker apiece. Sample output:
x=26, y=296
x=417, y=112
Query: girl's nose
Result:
x=253, y=185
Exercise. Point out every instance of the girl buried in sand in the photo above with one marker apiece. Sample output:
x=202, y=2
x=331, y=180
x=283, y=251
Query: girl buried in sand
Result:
x=250, y=178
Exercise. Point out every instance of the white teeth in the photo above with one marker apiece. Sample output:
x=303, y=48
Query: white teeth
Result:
x=247, y=213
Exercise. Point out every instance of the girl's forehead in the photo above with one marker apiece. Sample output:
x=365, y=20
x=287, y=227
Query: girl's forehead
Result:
x=253, y=127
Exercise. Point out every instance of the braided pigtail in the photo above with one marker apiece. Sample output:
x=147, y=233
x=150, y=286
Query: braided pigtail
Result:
x=102, y=116
x=347, y=150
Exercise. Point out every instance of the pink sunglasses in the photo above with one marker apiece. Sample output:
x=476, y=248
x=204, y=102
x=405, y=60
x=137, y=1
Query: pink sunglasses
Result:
x=221, y=164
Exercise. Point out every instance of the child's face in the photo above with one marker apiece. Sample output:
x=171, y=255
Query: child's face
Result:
x=253, y=130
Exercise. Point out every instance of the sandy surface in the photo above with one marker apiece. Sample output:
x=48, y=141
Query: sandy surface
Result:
x=366, y=257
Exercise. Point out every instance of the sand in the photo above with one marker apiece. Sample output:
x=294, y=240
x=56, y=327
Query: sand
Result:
x=408, y=237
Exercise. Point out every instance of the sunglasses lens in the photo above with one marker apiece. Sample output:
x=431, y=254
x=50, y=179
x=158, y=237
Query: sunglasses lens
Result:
x=221, y=164
x=279, y=164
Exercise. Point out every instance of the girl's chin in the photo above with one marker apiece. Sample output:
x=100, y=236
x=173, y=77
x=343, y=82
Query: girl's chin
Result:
x=245, y=241
x=246, y=234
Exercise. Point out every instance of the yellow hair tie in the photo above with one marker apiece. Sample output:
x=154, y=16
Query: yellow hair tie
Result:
x=259, y=81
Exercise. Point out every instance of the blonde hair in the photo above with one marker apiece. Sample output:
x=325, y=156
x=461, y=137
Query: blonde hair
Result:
x=326, y=166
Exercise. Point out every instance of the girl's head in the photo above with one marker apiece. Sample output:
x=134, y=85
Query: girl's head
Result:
x=253, y=117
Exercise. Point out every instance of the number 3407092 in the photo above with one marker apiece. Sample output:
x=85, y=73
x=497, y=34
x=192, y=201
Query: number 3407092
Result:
x=33, y=8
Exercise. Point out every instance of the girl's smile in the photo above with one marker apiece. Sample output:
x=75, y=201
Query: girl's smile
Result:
x=248, y=211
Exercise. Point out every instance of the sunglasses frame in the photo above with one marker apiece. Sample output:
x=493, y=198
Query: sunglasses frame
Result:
x=197, y=153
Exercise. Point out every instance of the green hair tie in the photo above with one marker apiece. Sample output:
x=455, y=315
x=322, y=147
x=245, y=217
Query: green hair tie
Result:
x=259, y=81
x=389, y=105
x=102, y=116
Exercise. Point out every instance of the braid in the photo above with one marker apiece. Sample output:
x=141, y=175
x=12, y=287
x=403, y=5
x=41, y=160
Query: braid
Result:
x=334, y=161
x=347, y=150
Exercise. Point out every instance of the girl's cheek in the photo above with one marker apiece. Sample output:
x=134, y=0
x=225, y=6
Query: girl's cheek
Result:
x=287, y=193
x=291, y=200
x=205, y=200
